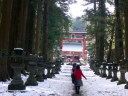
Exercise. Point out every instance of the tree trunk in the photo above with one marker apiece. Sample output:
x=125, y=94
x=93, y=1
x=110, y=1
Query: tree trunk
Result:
x=38, y=27
x=4, y=36
x=14, y=34
x=45, y=30
x=110, y=45
x=96, y=35
x=118, y=34
x=24, y=24
x=0, y=9
x=29, y=39
x=126, y=29
x=101, y=29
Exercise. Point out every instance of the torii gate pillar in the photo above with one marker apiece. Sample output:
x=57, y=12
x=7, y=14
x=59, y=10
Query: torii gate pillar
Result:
x=61, y=44
x=84, y=48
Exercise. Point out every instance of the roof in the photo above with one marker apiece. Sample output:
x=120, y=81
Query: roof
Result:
x=72, y=47
x=77, y=32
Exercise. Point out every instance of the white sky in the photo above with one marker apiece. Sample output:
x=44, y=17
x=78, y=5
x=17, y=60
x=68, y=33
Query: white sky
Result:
x=76, y=9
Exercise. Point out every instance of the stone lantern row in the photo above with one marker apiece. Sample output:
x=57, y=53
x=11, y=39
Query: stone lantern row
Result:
x=38, y=70
x=109, y=70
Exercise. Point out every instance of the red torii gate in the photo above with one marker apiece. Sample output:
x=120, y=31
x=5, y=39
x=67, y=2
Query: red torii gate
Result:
x=83, y=39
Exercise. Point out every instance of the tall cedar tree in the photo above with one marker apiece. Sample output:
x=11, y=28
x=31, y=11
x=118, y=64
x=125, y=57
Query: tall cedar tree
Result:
x=101, y=29
x=30, y=30
x=4, y=36
x=38, y=27
x=118, y=33
x=126, y=28
x=45, y=30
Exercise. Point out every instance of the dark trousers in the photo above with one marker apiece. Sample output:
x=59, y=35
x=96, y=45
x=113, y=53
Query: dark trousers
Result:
x=77, y=89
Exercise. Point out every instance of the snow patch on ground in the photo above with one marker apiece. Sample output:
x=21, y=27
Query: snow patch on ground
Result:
x=61, y=85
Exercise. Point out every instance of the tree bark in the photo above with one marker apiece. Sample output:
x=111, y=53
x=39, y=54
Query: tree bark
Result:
x=45, y=30
x=14, y=32
x=38, y=27
x=110, y=45
x=30, y=30
x=24, y=24
x=4, y=36
x=118, y=34
x=101, y=29
x=126, y=29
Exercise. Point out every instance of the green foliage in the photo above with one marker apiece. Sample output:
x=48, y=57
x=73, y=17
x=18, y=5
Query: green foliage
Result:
x=99, y=25
x=58, y=22
x=78, y=24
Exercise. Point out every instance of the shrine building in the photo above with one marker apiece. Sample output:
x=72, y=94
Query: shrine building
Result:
x=73, y=48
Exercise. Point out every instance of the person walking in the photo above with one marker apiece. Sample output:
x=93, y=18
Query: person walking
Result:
x=72, y=73
x=78, y=74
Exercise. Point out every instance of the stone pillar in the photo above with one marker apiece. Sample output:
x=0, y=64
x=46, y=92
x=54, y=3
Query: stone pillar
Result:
x=17, y=65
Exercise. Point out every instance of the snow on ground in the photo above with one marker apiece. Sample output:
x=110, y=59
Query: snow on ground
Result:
x=61, y=85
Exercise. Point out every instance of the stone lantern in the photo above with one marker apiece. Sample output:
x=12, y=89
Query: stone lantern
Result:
x=122, y=70
x=126, y=86
x=115, y=69
x=53, y=69
x=57, y=66
x=49, y=68
x=32, y=67
x=97, y=66
x=94, y=66
x=44, y=70
x=101, y=69
x=17, y=64
x=109, y=70
x=39, y=75
x=3, y=53
x=104, y=70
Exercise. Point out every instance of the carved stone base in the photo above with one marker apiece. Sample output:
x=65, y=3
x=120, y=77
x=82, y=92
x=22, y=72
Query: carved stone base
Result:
x=16, y=87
